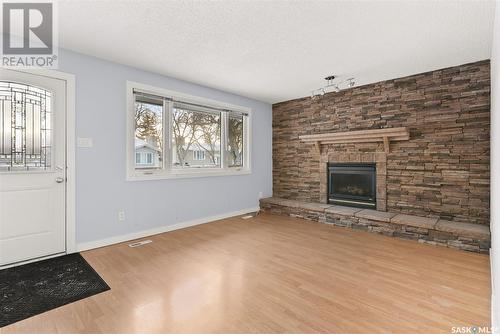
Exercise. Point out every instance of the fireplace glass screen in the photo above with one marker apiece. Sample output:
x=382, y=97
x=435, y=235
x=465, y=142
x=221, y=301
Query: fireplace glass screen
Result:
x=352, y=185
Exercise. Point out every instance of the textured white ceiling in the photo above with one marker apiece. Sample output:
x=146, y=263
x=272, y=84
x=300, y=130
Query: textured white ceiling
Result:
x=279, y=50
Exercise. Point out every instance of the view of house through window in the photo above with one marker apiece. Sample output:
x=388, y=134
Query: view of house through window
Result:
x=173, y=136
x=148, y=133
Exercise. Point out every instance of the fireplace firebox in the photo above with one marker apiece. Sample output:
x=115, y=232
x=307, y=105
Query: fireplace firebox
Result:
x=352, y=185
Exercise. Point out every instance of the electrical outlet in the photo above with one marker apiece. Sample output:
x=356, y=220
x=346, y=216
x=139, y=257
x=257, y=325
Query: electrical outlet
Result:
x=121, y=216
x=260, y=194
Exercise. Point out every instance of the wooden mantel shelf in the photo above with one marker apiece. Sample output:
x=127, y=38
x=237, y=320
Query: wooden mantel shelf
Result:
x=362, y=136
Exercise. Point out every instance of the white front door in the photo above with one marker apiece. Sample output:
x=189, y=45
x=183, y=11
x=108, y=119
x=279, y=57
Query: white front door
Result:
x=32, y=166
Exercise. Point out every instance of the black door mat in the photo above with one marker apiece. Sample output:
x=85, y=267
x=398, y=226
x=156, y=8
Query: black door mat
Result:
x=37, y=287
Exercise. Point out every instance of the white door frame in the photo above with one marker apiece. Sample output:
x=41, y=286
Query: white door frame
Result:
x=70, y=205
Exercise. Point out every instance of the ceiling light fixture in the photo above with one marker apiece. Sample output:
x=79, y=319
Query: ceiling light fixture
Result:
x=332, y=86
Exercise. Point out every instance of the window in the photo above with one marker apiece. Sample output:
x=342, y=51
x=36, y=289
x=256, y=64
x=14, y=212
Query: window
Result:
x=196, y=134
x=148, y=119
x=235, y=140
x=176, y=135
x=199, y=155
x=143, y=160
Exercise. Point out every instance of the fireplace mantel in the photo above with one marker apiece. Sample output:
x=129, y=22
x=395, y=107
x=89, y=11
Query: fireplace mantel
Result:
x=361, y=136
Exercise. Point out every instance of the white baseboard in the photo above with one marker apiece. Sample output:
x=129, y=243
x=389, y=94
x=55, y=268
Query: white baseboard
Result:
x=157, y=230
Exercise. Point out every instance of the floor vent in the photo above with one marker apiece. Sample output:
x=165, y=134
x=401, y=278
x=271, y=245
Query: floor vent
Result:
x=140, y=243
x=250, y=215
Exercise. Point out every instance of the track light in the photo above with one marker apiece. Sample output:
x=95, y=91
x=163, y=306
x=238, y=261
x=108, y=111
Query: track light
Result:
x=332, y=86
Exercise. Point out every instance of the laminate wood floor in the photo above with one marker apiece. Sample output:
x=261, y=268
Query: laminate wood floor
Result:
x=274, y=274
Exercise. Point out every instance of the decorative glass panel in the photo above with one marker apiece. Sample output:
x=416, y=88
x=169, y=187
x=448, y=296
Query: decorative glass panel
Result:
x=25, y=127
x=235, y=140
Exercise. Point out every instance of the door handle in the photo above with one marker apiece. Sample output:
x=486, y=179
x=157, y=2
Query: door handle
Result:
x=59, y=179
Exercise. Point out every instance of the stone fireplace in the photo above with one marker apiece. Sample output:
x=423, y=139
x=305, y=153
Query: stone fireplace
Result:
x=427, y=135
x=441, y=171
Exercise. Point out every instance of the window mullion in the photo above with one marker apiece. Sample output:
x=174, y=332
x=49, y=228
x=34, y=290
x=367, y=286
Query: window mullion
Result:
x=245, y=158
x=223, y=136
x=167, y=135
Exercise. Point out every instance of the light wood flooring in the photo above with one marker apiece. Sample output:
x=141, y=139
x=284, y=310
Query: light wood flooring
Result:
x=274, y=274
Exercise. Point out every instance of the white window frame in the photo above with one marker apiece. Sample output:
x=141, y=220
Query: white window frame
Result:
x=167, y=172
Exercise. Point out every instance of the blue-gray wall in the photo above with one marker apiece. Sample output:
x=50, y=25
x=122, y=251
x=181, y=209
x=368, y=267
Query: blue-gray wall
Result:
x=101, y=188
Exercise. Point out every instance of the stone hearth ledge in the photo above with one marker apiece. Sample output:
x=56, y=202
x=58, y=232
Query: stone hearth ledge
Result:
x=464, y=236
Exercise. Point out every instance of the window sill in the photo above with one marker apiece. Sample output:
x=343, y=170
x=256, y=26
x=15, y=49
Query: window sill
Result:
x=184, y=174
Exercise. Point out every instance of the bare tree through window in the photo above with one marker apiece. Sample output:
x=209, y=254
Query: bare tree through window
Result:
x=235, y=140
x=209, y=139
x=192, y=131
x=149, y=132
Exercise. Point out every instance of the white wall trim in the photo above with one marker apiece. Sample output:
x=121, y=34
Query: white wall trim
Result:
x=161, y=229
x=495, y=175
x=70, y=163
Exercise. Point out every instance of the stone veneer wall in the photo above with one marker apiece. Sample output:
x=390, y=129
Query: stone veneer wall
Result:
x=442, y=171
